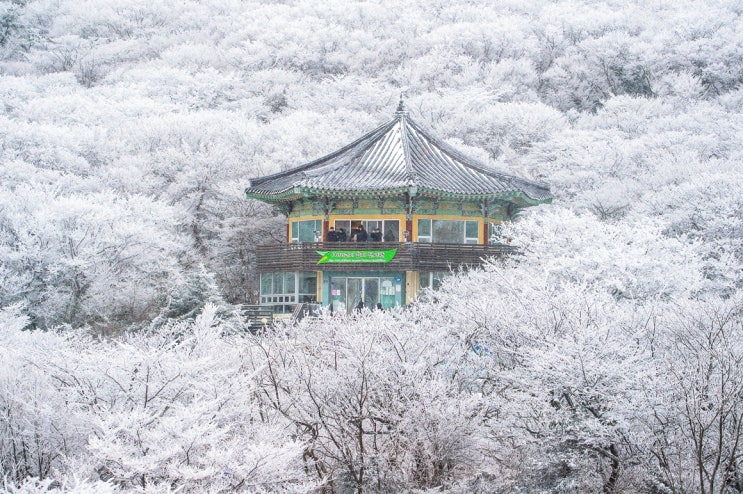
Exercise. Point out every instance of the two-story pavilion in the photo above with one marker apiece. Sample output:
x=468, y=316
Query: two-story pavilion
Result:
x=434, y=209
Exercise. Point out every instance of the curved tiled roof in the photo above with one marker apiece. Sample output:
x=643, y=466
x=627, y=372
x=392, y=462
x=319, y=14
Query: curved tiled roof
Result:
x=397, y=157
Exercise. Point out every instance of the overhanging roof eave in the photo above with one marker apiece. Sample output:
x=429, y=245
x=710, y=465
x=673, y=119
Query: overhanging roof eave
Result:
x=297, y=193
x=508, y=195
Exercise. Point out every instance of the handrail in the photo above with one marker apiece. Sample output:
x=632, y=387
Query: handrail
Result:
x=410, y=255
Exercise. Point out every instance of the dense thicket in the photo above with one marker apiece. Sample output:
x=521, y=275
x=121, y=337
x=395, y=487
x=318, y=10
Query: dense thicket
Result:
x=608, y=359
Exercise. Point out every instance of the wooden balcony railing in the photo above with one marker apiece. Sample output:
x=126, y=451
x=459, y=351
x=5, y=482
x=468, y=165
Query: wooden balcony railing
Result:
x=410, y=256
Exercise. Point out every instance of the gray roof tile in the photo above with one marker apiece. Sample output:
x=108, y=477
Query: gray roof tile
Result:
x=396, y=157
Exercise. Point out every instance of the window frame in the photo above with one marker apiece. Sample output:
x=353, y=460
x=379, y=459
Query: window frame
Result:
x=350, y=224
x=296, y=232
x=431, y=231
x=290, y=294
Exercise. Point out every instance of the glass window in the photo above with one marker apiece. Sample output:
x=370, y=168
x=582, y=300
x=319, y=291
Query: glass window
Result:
x=278, y=283
x=371, y=292
x=432, y=280
x=471, y=233
x=266, y=283
x=372, y=224
x=495, y=232
x=388, y=295
x=424, y=280
x=346, y=293
x=471, y=230
x=346, y=225
x=437, y=278
x=390, y=228
x=447, y=231
x=391, y=231
x=424, y=230
x=308, y=283
x=338, y=295
x=289, y=283
x=282, y=290
x=306, y=231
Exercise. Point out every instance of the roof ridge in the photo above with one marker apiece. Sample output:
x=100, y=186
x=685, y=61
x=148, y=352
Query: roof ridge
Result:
x=410, y=172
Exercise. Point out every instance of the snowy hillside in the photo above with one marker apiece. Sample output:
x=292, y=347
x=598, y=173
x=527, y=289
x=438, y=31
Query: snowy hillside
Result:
x=609, y=358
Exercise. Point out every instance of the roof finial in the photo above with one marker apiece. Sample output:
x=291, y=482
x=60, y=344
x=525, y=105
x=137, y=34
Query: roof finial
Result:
x=401, y=110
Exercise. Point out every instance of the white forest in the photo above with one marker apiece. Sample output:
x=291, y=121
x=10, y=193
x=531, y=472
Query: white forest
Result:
x=606, y=357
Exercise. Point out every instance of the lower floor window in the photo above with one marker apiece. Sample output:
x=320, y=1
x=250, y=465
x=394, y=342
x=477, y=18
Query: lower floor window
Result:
x=284, y=290
x=495, y=232
x=433, y=280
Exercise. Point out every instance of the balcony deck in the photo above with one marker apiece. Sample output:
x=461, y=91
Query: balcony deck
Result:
x=410, y=256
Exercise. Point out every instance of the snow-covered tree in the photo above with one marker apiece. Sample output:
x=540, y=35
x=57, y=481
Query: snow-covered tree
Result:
x=377, y=400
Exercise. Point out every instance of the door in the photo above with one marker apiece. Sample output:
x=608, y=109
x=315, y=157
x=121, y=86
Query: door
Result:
x=346, y=293
x=371, y=292
x=388, y=293
x=354, y=293
x=338, y=295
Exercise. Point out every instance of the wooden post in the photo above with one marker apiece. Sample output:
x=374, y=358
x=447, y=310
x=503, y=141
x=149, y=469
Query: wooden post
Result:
x=485, y=223
x=408, y=217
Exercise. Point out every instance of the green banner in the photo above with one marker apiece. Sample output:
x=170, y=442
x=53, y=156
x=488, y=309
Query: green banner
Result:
x=351, y=256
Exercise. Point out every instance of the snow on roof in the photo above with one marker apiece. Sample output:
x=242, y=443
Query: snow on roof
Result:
x=396, y=157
